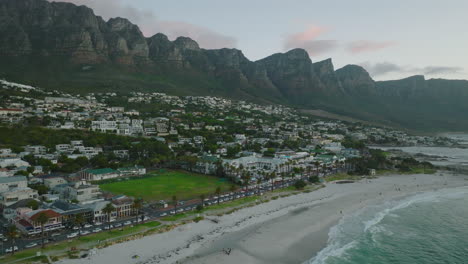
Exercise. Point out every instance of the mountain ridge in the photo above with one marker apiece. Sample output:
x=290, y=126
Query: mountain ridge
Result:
x=64, y=46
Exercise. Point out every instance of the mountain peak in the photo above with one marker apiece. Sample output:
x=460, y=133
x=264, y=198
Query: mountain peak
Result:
x=186, y=43
x=355, y=80
x=298, y=54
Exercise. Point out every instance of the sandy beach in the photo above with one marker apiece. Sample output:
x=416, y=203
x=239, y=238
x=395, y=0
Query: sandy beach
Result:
x=287, y=230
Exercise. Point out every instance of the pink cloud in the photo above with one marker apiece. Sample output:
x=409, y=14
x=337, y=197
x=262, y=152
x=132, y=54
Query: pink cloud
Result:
x=308, y=40
x=150, y=24
x=368, y=46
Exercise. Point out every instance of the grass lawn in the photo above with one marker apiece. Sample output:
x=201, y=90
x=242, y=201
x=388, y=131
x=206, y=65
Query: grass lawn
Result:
x=163, y=186
x=341, y=177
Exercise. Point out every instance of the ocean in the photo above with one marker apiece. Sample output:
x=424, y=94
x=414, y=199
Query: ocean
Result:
x=427, y=228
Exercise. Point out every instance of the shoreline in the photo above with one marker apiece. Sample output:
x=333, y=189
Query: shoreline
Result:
x=288, y=230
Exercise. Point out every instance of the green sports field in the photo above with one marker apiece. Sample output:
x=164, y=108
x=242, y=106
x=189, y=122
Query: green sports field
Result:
x=162, y=186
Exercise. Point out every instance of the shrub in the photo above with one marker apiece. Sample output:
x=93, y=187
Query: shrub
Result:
x=300, y=184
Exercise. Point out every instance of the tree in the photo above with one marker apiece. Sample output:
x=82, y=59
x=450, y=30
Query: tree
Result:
x=78, y=220
x=174, y=201
x=232, y=188
x=218, y=193
x=108, y=209
x=12, y=234
x=33, y=204
x=42, y=219
x=137, y=205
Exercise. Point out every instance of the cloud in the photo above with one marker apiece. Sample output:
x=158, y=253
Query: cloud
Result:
x=368, y=46
x=150, y=24
x=433, y=70
x=307, y=40
x=383, y=68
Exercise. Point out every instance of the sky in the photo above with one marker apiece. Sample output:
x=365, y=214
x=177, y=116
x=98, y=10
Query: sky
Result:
x=391, y=39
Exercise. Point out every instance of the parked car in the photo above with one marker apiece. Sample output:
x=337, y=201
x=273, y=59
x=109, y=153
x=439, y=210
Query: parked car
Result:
x=55, y=234
x=96, y=230
x=118, y=225
x=10, y=249
x=30, y=245
x=127, y=223
x=72, y=235
x=87, y=226
x=84, y=233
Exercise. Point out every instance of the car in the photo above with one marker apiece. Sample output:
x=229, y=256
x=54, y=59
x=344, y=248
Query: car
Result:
x=180, y=210
x=87, y=226
x=163, y=214
x=76, y=227
x=55, y=234
x=172, y=212
x=86, y=232
x=31, y=245
x=97, y=230
x=118, y=225
x=127, y=223
x=107, y=227
x=146, y=218
x=72, y=235
x=10, y=249
x=97, y=223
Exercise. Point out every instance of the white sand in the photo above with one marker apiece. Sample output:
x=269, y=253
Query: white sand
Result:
x=287, y=230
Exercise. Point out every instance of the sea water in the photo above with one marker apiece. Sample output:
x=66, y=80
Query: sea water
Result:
x=426, y=228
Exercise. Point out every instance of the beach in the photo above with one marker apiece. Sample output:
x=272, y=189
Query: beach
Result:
x=287, y=230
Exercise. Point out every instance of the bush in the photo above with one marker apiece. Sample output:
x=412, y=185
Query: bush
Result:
x=199, y=208
x=300, y=184
x=314, y=179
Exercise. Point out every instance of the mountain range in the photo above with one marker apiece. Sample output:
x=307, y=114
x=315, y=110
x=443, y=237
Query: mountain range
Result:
x=63, y=46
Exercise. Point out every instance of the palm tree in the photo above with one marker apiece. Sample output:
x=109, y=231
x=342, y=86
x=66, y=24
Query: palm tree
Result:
x=259, y=181
x=42, y=219
x=218, y=193
x=174, y=201
x=12, y=234
x=108, y=209
x=78, y=221
x=137, y=205
x=202, y=198
x=272, y=177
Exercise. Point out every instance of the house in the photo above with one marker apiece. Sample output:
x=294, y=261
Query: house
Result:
x=83, y=192
x=35, y=149
x=132, y=171
x=27, y=221
x=54, y=181
x=97, y=211
x=13, y=162
x=123, y=206
x=99, y=174
x=10, y=183
x=69, y=212
x=10, y=197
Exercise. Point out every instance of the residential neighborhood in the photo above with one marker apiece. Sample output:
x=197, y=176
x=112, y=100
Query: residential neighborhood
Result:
x=58, y=149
